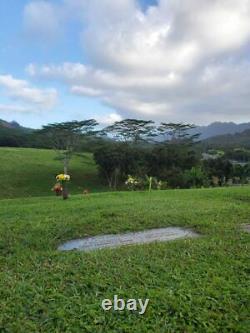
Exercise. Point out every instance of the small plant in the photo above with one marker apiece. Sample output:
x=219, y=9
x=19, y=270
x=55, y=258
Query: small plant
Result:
x=155, y=184
x=150, y=182
x=160, y=184
x=132, y=183
x=146, y=183
x=86, y=192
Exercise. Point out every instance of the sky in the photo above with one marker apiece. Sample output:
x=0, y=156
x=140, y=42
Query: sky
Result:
x=165, y=60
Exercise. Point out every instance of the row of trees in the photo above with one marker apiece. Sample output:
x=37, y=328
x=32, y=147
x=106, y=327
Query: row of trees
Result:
x=67, y=137
x=164, y=162
x=167, y=152
x=177, y=164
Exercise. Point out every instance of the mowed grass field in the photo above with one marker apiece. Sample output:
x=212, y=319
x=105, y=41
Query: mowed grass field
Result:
x=194, y=285
x=31, y=172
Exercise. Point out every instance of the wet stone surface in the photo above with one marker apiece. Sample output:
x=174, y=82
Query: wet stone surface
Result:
x=142, y=237
x=246, y=227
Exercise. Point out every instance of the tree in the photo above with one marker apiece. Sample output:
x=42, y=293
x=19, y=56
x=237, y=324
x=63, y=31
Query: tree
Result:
x=219, y=167
x=117, y=160
x=173, y=156
x=65, y=137
x=165, y=161
x=177, y=132
x=132, y=130
x=169, y=162
x=195, y=177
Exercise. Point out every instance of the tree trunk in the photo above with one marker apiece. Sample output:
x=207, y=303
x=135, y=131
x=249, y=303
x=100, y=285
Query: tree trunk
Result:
x=65, y=192
x=109, y=179
x=116, y=173
x=150, y=184
x=65, y=166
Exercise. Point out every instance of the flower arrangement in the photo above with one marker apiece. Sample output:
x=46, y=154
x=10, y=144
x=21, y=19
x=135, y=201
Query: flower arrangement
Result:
x=63, y=177
x=57, y=188
x=146, y=182
x=132, y=182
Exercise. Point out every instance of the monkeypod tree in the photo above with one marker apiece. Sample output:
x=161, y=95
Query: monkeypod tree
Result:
x=132, y=130
x=65, y=137
x=177, y=132
x=175, y=154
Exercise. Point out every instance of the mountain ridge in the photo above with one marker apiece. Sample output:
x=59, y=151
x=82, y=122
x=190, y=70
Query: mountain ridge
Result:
x=235, y=140
x=13, y=125
x=220, y=128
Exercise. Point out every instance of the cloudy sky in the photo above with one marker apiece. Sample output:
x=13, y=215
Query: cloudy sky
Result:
x=166, y=60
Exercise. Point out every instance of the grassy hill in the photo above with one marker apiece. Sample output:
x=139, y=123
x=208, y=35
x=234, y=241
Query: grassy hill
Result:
x=194, y=285
x=31, y=172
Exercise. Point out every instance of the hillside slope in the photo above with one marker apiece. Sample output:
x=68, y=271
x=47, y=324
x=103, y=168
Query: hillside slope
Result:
x=31, y=172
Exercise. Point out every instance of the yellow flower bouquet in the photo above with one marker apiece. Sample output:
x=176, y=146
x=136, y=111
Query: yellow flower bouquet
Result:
x=63, y=177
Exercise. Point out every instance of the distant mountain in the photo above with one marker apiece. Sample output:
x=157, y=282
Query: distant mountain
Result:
x=13, y=125
x=215, y=129
x=219, y=128
x=6, y=124
x=229, y=140
x=14, y=135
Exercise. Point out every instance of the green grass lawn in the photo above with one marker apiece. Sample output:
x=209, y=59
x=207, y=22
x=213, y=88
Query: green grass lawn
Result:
x=194, y=285
x=31, y=172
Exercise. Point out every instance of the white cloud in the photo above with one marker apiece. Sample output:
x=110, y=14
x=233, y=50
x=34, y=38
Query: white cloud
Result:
x=10, y=108
x=21, y=90
x=86, y=91
x=68, y=72
x=42, y=20
x=180, y=59
x=109, y=118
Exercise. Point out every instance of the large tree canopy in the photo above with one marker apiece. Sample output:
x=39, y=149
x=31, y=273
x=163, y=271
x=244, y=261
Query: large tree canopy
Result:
x=132, y=130
x=65, y=136
x=177, y=132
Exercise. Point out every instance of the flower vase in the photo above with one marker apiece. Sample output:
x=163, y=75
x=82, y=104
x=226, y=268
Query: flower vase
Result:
x=65, y=192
